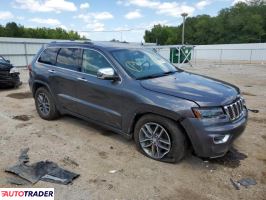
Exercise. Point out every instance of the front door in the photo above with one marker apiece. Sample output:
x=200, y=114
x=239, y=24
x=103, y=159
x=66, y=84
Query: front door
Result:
x=99, y=100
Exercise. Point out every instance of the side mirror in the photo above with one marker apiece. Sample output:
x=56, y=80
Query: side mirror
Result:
x=107, y=74
x=8, y=61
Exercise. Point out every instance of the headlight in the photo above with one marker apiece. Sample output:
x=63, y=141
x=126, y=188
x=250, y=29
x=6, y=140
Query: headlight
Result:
x=13, y=70
x=208, y=113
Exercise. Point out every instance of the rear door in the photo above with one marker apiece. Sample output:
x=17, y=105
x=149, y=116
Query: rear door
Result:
x=64, y=77
x=45, y=65
x=99, y=100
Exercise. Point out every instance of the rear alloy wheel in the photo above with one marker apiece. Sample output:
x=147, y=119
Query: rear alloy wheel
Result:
x=45, y=104
x=160, y=138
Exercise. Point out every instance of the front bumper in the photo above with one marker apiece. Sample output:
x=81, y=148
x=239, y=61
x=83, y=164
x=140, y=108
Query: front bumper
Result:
x=203, y=134
x=9, y=79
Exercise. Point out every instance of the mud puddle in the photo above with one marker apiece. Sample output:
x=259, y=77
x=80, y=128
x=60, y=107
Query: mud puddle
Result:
x=231, y=159
x=22, y=117
x=20, y=95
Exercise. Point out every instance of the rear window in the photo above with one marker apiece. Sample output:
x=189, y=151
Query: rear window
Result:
x=69, y=58
x=48, y=56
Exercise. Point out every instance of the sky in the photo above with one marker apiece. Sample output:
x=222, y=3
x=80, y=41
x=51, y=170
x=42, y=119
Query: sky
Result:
x=103, y=20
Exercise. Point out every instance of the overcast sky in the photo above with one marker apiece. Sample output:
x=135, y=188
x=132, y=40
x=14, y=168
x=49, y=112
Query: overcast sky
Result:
x=105, y=15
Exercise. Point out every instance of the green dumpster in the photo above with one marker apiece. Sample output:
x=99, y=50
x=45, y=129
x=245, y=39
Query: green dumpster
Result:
x=185, y=54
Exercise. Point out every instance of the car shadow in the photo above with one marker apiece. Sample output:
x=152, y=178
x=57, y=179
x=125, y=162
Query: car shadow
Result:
x=98, y=129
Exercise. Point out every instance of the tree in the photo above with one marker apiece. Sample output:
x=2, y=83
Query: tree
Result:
x=241, y=23
x=11, y=29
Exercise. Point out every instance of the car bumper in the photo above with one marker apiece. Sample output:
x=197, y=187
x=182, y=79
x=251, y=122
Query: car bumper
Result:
x=213, y=139
x=7, y=79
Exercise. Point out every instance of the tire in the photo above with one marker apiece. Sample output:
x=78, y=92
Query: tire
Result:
x=174, y=136
x=47, y=114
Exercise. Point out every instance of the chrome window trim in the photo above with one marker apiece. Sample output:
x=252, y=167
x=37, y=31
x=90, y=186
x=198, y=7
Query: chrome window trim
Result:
x=37, y=60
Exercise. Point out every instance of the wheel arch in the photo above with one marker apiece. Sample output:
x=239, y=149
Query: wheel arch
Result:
x=37, y=84
x=174, y=117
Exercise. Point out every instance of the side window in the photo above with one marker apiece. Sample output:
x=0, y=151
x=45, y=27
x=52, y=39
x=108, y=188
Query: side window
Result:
x=69, y=58
x=48, y=56
x=92, y=61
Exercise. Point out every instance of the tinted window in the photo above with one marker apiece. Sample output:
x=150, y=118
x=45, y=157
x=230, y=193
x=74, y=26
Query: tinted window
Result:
x=48, y=56
x=69, y=58
x=92, y=61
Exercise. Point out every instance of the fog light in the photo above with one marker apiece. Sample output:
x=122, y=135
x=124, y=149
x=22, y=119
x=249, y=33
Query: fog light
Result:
x=220, y=139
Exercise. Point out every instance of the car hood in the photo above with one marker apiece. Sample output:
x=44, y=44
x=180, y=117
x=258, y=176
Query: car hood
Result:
x=203, y=90
x=5, y=66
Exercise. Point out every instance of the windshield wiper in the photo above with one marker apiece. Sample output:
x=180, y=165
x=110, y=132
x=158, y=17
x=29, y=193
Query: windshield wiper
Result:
x=156, y=75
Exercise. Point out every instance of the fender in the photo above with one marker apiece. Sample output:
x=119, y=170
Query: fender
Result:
x=129, y=123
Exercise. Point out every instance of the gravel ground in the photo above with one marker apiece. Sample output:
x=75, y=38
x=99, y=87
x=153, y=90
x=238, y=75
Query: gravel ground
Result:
x=92, y=152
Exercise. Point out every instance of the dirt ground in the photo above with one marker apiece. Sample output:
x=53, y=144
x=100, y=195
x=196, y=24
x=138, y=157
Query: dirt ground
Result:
x=92, y=152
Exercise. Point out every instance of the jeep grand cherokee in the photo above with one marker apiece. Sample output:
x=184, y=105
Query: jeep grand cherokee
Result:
x=137, y=93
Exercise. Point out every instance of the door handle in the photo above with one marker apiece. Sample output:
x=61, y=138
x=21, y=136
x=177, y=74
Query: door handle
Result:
x=82, y=79
x=51, y=70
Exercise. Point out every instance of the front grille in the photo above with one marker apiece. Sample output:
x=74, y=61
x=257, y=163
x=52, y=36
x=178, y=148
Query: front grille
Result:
x=235, y=110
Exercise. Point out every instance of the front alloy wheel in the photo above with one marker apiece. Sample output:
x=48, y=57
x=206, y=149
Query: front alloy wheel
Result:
x=154, y=140
x=160, y=138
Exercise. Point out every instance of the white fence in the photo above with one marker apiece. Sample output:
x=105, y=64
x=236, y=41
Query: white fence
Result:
x=226, y=53
x=20, y=51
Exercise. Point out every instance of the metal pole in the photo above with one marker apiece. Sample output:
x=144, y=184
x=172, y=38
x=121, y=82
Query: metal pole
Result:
x=179, y=54
x=195, y=56
x=250, y=57
x=26, y=53
x=172, y=59
x=183, y=31
x=221, y=54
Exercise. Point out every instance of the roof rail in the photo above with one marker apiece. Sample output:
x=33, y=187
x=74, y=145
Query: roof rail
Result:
x=88, y=42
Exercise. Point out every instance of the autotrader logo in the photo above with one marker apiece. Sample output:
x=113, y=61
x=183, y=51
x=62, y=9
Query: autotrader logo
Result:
x=27, y=193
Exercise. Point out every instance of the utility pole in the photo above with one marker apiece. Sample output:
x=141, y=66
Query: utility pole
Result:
x=184, y=15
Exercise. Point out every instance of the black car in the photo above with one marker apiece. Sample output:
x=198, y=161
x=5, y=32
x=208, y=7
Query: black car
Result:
x=9, y=75
x=137, y=93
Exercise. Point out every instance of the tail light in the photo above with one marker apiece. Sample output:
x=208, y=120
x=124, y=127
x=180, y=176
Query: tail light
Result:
x=29, y=67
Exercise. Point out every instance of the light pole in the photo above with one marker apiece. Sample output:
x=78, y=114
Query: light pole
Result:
x=184, y=15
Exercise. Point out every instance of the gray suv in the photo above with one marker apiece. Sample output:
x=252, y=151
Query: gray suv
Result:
x=137, y=93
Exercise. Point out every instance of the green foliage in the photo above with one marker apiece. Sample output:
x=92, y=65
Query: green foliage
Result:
x=241, y=23
x=13, y=30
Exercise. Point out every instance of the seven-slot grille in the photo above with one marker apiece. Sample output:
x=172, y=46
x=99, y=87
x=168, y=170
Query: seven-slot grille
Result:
x=235, y=109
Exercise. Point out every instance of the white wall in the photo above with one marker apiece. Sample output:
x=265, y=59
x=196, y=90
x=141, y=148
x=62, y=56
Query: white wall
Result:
x=236, y=52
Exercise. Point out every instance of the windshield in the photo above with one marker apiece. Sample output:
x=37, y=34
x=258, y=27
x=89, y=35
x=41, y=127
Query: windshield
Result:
x=141, y=64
